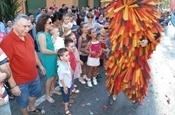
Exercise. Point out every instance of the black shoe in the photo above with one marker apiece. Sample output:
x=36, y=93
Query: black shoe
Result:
x=99, y=76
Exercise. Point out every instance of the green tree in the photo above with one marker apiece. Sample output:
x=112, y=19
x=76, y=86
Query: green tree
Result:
x=9, y=8
x=165, y=4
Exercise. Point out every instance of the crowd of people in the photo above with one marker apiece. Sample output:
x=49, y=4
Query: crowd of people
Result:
x=65, y=44
x=72, y=43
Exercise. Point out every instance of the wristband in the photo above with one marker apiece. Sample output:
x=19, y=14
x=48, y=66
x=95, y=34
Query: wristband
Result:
x=13, y=87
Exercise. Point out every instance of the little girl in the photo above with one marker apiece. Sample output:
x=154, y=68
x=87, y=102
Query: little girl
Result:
x=56, y=40
x=66, y=24
x=82, y=43
x=94, y=50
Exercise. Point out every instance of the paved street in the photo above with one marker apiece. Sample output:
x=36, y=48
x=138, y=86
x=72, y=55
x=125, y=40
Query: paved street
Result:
x=94, y=101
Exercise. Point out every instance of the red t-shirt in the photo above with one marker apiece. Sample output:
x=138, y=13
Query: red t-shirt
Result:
x=21, y=56
x=95, y=47
x=72, y=61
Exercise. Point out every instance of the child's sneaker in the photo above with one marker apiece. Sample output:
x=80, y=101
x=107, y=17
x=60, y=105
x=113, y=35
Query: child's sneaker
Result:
x=85, y=77
x=89, y=83
x=81, y=80
x=94, y=81
x=114, y=97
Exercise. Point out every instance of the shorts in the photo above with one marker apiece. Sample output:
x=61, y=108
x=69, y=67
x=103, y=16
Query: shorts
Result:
x=32, y=89
x=65, y=96
x=94, y=62
x=83, y=58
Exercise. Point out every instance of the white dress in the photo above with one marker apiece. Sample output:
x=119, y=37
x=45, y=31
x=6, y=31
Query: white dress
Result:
x=59, y=43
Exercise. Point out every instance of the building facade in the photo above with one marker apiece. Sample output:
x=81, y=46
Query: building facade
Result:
x=33, y=5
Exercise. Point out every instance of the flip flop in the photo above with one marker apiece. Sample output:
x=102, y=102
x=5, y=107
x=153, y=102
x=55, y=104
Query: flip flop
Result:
x=50, y=100
x=75, y=91
x=56, y=92
x=73, y=96
x=37, y=111
x=67, y=112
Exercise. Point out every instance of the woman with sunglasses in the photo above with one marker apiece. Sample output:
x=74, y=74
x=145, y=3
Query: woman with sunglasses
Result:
x=48, y=55
x=93, y=24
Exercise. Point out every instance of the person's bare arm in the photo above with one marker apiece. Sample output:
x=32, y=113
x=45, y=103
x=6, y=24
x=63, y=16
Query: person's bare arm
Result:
x=64, y=86
x=87, y=48
x=79, y=43
x=3, y=76
x=42, y=42
x=38, y=62
x=14, y=87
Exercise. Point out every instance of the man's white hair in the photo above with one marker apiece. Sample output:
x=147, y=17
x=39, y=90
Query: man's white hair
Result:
x=19, y=16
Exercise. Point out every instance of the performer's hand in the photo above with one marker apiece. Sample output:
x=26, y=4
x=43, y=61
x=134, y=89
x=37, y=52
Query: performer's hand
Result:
x=144, y=42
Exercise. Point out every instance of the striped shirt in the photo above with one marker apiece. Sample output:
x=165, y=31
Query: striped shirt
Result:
x=4, y=98
x=83, y=46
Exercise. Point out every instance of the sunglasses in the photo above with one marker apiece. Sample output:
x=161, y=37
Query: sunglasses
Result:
x=49, y=23
x=90, y=17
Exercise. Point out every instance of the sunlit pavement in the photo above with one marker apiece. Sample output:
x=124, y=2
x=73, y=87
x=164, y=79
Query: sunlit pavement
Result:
x=94, y=101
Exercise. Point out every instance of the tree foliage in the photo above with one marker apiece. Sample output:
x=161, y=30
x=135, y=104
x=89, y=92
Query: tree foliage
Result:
x=9, y=8
x=165, y=4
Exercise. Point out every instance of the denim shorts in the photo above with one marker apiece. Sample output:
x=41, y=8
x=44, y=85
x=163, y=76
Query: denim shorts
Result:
x=65, y=96
x=32, y=89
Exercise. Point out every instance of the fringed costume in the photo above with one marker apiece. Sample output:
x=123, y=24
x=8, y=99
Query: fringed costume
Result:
x=127, y=69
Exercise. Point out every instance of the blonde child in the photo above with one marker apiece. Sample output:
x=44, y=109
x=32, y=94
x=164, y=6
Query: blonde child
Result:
x=56, y=40
x=66, y=24
x=94, y=50
x=65, y=77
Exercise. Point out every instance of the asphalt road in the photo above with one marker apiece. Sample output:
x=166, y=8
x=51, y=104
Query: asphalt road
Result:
x=94, y=101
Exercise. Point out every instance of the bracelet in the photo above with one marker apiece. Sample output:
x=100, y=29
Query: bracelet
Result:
x=13, y=87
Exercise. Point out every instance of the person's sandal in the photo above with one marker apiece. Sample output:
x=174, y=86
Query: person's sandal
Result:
x=36, y=111
x=50, y=100
x=73, y=96
x=75, y=91
x=56, y=92
x=70, y=105
x=67, y=112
